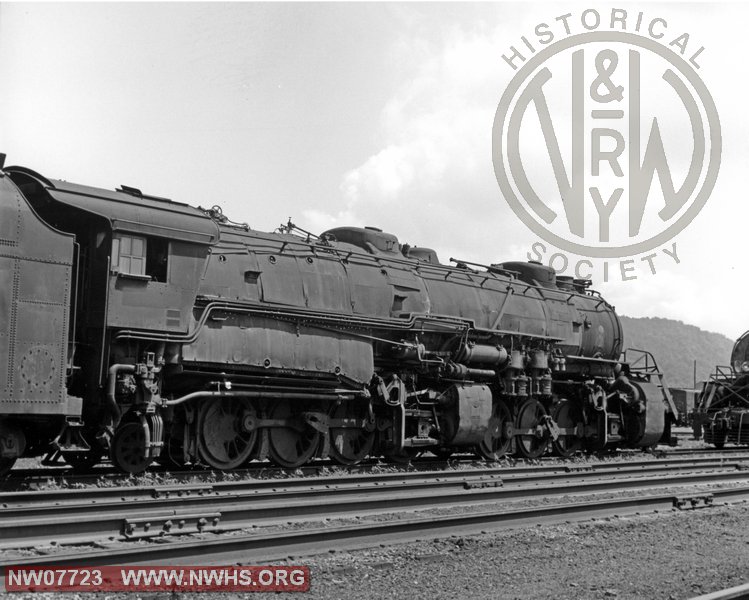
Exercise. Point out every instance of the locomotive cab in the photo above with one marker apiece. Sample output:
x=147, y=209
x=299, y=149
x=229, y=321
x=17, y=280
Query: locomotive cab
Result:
x=135, y=262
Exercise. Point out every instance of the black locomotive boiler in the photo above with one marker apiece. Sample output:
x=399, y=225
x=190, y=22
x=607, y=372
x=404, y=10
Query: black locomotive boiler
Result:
x=146, y=329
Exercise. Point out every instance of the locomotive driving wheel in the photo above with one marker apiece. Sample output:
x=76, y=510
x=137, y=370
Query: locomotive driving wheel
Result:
x=295, y=442
x=128, y=450
x=350, y=445
x=532, y=439
x=567, y=417
x=496, y=442
x=227, y=432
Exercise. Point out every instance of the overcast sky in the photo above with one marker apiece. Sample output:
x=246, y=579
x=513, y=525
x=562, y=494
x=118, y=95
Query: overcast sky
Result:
x=332, y=114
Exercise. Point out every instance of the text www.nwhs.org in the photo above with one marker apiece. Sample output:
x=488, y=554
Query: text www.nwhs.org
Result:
x=158, y=579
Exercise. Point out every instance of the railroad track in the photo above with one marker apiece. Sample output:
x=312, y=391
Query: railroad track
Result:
x=107, y=475
x=81, y=516
x=276, y=546
x=60, y=496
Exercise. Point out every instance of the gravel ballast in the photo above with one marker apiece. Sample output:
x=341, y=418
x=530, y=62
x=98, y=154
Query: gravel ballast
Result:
x=671, y=556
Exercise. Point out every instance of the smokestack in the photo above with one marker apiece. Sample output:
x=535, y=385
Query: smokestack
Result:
x=2, y=160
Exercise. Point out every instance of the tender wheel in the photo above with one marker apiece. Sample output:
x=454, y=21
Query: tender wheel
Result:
x=496, y=442
x=350, y=445
x=567, y=416
x=295, y=443
x=227, y=432
x=82, y=461
x=129, y=448
x=6, y=464
x=530, y=417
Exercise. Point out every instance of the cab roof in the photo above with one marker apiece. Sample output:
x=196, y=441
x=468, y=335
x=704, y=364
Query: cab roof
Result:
x=128, y=209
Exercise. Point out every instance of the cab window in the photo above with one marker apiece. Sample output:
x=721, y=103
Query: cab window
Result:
x=140, y=256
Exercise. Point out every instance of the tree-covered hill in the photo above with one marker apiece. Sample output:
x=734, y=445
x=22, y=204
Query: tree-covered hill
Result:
x=676, y=346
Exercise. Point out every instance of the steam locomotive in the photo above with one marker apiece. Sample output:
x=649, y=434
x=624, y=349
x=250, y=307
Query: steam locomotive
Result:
x=149, y=330
x=723, y=405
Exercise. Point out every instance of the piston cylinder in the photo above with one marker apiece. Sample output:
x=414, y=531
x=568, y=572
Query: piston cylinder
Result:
x=468, y=410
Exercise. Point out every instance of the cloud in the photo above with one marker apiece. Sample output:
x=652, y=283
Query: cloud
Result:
x=431, y=182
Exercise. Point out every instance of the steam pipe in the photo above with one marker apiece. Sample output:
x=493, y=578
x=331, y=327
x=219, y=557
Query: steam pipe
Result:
x=336, y=395
x=114, y=370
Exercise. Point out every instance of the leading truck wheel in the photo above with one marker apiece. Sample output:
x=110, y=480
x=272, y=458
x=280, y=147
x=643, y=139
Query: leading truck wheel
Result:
x=6, y=464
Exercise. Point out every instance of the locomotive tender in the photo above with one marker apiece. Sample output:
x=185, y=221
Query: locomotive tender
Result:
x=152, y=330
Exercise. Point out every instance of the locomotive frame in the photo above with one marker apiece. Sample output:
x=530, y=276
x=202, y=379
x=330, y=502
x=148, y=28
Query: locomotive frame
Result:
x=151, y=330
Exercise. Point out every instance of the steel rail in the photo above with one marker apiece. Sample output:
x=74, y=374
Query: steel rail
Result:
x=66, y=476
x=60, y=496
x=685, y=451
x=274, y=546
x=30, y=525
x=734, y=593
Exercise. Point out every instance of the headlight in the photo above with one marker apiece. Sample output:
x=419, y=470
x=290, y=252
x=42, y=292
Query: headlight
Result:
x=745, y=367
